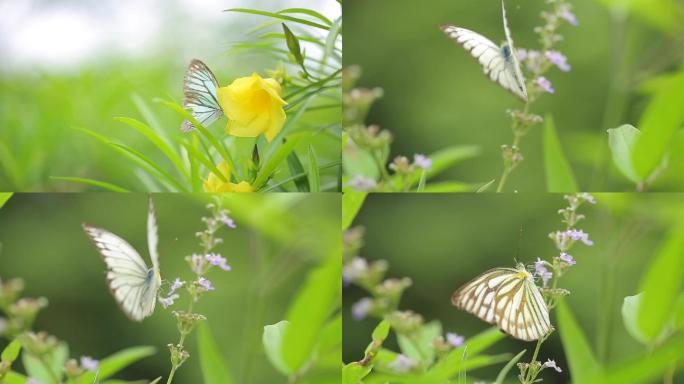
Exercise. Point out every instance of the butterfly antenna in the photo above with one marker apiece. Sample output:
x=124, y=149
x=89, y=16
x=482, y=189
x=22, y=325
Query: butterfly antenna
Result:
x=520, y=240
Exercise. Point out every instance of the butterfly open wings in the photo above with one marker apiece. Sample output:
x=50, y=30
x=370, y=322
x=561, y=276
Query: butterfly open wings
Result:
x=508, y=298
x=200, y=95
x=500, y=64
x=133, y=285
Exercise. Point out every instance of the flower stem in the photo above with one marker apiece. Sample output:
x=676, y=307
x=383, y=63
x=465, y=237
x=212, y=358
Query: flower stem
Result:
x=528, y=377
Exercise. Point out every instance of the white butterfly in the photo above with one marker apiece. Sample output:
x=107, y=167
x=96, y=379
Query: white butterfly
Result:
x=132, y=283
x=499, y=63
x=509, y=298
x=200, y=95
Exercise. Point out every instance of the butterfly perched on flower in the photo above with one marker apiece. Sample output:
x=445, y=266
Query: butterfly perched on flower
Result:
x=133, y=284
x=499, y=63
x=509, y=298
x=200, y=95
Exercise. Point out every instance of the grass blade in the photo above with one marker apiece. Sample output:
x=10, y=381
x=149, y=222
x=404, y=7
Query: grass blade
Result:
x=581, y=360
x=559, y=176
x=504, y=371
x=214, y=369
x=308, y=12
x=197, y=155
x=278, y=16
x=296, y=168
x=95, y=183
x=314, y=176
x=274, y=161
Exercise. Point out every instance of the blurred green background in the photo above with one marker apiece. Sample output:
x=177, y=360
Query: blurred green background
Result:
x=69, y=64
x=435, y=94
x=446, y=240
x=279, y=239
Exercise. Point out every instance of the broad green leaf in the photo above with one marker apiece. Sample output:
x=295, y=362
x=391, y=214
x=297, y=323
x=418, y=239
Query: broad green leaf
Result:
x=114, y=363
x=310, y=310
x=14, y=378
x=581, y=360
x=331, y=337
x=559, y=176
x=449, y=186
x=452, y=363
x=11, y=352
x=630, y=309
x=358, y=162
x=679, y=313
x=314, y=176
x=661, y=284
x=621, y=141
x=418, y=345
x=94, y=183
x=504, y=371
x=4, y=196
x=352, y=373
x=272, y=339
x=351, y=204
x=664, y=115
x=214, y=367
x=50, y=368
x=447, y=157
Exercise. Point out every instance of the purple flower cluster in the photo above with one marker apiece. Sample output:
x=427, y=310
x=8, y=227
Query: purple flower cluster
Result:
x=361, y=183
x=455, y=339
x=541, y=271
x=423, y=162
x=361, y=308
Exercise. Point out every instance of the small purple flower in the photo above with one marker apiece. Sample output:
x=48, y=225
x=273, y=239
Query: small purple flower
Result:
x=578, y=234
x=168, y=301
x=217, y=260
x=455, y=339
x=568, y=16
x=353, y=269
x=552, y=364
x=541, y=271
x=175, y=285
x=227, y=220
x=361, y=183
x=558, y=59
x=89, y=364
x=205, y=283
x=567, y=258
x=361, y=308
x=522, y=54
x=544, y=84
x=422, y=161
x=402, y=364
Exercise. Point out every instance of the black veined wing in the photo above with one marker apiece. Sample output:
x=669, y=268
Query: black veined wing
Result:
x=509, y=298
x=200, y=95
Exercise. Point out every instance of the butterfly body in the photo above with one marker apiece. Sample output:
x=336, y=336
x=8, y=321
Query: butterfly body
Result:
x=133, y=284
x=509, y=298
x=499, y=63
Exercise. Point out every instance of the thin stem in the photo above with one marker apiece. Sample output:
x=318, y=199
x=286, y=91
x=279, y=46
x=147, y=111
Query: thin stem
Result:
x=528, y=377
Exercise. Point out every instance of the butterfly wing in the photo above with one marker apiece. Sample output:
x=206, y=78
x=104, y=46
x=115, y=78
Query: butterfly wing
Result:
x=152, y=236
x=515, y=79
x=509, y=298
x=200, y=95
x=127, y=275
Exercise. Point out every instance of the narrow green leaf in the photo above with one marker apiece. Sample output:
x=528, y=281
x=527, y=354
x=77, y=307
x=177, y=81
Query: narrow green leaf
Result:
x=95, y=183
x=352, y=373
x=11, y=352
x=314, y=176
x=484, y=187
x=272, y=340
x=331, y=40
x=621, y=141
x=293, y=45
x=504, y=371
x=199, y=156
x=281, y=154
x=661, y=284
x=421, y=182
x=310, y=310
x=308, y=12
x=559, y=176
x=278, y=16
x=447, y=157
x=351, y=204
x=581, y=360
x=296, y=168
x=116, y=362
x=452, y=363
x=4, y=196
x=448, y=186
x=418, y=345
x=381, y=331
x=664, y=115
x=214, y=367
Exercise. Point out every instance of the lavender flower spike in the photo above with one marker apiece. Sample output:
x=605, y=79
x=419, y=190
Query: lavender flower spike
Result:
x=422, y=161
x=455, y=339
x=544, y=84
x=558, y=59
x=205, y=283
x=89, y=364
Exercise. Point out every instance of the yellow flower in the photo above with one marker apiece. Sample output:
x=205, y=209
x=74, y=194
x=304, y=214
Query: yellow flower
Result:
x=214, y=184
x=253, y=106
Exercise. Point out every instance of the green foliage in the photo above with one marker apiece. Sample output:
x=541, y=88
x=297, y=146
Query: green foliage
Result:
x=621, y=141
x=214, y=368
x=116, y=362
x=48, y=367
x=351, y=204
x=504, y=371
x=4, y=196
x=581, y=360
x=559, y=175
x=272, y=340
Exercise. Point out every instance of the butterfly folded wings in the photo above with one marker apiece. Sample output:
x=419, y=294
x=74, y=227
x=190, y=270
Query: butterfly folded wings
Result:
x=133, y=285
x=200, y=95
x=509, y=298
x=499, y=63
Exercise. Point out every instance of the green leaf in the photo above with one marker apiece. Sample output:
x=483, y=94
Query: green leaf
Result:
x=116, y=362
x=281, y=154
x=11, y=352
x=312, y=306
x=296, y=168
x=199, y=156
x=293, y=45
x=621, y=141
x=661, y=285
x=630, y=307
x=351, y=204
x=447, y=157
x=306, y=11
x=381, y=331
x=95, y=183
x=664, y=115
x=421, y=181
x=14, y=378
x=352, y=373
x=314, y=176
x=453, y=362
x=418, y=345
x=4, y=196
x=559, y=176
x=448, y=186
x=278, y=16
x=51, y=365
x=272, y=339
x=504, y=371
x=214, y=367
x=581, y=358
